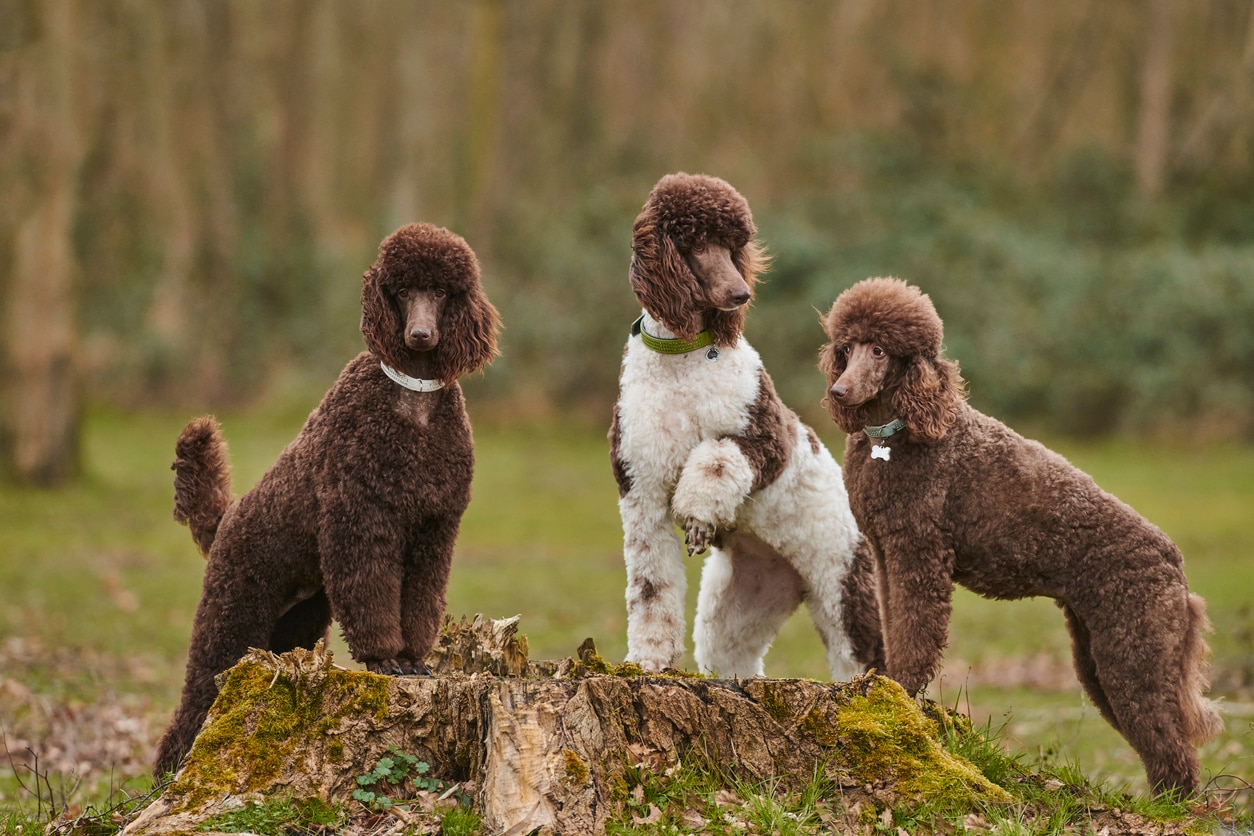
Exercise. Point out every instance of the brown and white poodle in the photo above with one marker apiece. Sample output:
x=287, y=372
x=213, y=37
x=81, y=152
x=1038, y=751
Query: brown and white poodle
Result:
x=356, y=520
x=948, y=495
x=700, y=439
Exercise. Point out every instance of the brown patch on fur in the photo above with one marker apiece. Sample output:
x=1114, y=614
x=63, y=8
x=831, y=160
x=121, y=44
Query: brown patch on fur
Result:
x=682, y=212
x=965, y=499
x=768, y=439
x=621, y=477
x=861, y=612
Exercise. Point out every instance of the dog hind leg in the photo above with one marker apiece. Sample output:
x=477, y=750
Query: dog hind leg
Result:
x=1140, y=671
x=747, y=592
x=229, y=619
x=1085, y=667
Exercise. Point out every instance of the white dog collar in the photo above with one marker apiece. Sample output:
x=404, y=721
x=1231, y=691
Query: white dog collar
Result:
x=415, y=384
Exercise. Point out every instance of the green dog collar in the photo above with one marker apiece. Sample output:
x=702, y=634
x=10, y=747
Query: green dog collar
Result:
x=673, y=345
x=884, y=431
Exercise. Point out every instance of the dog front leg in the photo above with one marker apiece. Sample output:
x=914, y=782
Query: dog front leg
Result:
x=362, y=569
x=714, y=483
x=656, y=582
x=917, y=588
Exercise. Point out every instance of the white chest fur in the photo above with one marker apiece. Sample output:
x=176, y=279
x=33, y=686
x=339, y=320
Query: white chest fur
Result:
x=669, y=404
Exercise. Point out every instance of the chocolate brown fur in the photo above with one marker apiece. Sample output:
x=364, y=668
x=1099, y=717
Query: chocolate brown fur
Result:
x=964, y=499
x=356, y=520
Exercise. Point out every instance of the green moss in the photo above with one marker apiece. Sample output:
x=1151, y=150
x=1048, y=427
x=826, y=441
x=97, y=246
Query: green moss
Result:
x=820, y=728
x=576, y=770
x=259, y=720
x=594, y=663
x=887, y=738
x=774, y=703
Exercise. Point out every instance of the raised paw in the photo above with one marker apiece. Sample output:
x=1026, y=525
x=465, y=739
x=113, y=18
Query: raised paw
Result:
x=698, y=535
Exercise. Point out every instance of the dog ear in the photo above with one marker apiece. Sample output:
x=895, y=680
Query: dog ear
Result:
x=468, y=332
x=380, y=321
x=928, y=397
x=664, y=284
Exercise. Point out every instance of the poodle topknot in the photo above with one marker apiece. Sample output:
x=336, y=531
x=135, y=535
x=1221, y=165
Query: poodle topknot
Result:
x=890, y=312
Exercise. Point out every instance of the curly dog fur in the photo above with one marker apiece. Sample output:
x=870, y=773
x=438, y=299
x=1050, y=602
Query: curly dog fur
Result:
x=700, y=438
x=356, y=520
x=956, y=496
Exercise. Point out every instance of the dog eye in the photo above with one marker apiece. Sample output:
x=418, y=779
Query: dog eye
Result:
x=403, y=293
x=877, y=351
x=439, y=292
x=843, y=351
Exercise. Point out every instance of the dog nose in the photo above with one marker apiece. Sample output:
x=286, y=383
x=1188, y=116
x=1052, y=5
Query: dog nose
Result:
x=839, y=392
x=421, y=334
x=741, y=296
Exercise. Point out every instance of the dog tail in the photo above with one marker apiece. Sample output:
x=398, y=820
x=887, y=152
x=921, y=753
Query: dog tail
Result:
x=202, y=480
x=1201, y=715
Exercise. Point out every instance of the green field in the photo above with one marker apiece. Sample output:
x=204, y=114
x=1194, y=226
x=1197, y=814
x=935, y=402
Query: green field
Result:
x=99, y=586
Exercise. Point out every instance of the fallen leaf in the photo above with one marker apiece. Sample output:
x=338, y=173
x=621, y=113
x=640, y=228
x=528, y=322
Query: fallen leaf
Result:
x=653, y=817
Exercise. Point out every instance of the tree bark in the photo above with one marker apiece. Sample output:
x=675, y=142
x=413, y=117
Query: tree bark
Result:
x=547, y=750
x=1154, y=124
x=40, y=419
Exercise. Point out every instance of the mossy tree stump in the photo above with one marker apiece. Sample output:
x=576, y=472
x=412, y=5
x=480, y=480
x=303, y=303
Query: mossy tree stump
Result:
x=546, y=745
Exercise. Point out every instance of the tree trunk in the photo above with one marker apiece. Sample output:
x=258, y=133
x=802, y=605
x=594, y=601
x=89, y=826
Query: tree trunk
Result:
x=549, y=749
x=1154, y=124
x=39, y=424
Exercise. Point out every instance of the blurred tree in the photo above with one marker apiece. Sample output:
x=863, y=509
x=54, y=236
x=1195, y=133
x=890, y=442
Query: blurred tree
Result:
x=44, y=151
x=226, y=169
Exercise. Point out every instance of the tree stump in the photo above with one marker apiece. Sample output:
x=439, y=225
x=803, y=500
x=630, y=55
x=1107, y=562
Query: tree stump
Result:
x=545, y=745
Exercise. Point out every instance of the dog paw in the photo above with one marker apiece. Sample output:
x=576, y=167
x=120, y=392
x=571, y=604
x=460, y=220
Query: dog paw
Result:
x=698, y=535
x=652, y=665
x=398, y=667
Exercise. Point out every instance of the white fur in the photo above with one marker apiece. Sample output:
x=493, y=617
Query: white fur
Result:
x=792, y=541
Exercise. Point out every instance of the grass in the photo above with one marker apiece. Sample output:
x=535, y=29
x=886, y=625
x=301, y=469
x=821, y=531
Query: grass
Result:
x=100, y=586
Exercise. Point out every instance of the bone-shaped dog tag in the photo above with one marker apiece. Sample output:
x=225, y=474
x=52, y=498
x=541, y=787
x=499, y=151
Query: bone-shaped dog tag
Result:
x=878, y=452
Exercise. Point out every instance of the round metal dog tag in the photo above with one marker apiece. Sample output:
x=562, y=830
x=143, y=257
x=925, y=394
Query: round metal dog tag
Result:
x=712, y=354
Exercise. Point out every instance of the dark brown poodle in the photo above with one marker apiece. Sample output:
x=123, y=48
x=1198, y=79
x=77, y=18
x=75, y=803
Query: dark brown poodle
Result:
x=946, y=494
x=356, y=520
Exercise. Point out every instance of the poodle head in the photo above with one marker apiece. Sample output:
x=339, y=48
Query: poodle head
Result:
x=422, y=257
x=691, y=227
x=884, y=340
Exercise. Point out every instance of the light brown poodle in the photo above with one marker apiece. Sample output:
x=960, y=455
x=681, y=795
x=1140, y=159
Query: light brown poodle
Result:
x=948, y=495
